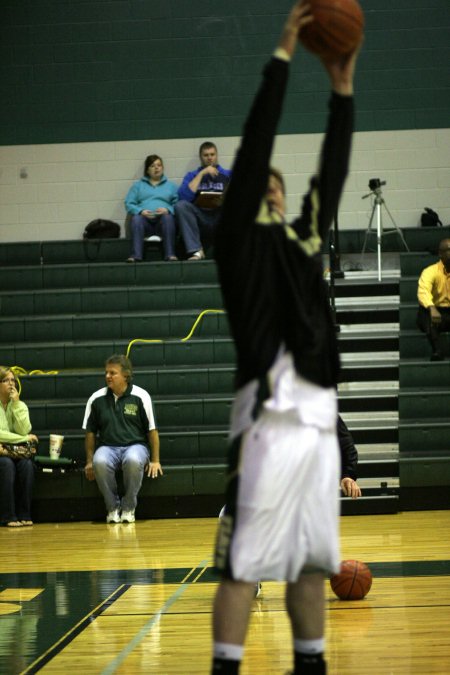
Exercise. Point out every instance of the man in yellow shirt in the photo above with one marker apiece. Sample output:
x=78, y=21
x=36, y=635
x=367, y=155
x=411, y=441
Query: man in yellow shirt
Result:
x=433, y=294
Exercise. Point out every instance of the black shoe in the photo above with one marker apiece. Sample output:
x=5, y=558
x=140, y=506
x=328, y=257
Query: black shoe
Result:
x=437, y=356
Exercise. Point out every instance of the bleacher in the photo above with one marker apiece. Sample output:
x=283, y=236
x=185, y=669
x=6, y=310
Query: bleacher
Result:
x=68, y=305
x=424, y=397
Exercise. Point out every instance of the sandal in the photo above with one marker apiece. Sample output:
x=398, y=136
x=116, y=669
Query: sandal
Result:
x=198, y=255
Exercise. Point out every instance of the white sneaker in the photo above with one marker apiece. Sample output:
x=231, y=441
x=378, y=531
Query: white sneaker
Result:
x=127, y=517
x=113, y=516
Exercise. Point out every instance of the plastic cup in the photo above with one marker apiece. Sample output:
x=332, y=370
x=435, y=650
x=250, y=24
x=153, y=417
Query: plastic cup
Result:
x=56, y=443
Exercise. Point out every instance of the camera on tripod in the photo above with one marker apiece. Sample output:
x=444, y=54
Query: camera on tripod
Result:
x=376, y=183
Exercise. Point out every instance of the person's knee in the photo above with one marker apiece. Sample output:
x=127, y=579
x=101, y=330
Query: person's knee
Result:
x=7, y=467
x=181, y=207
x=185, y=208
x=305, y=591
x=135, y=459
x=305, y=605
x=133, y=466
x=28, y=467
x=167, y=224
x=101, y=463
x=137, y=224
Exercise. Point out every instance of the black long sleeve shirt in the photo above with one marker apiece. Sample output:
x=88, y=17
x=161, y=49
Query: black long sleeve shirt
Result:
x=271, y=273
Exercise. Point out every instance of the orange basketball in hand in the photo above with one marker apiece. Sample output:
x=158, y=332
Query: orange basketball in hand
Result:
x=337, y=27
x=353, y=582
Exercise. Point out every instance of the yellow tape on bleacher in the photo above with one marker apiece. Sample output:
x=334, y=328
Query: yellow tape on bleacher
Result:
x=18, y=370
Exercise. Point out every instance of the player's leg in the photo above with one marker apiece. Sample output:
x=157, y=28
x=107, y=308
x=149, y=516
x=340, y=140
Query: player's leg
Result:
x=257, y=587
x=319, y=507
x=305, y=605
x=231, y=611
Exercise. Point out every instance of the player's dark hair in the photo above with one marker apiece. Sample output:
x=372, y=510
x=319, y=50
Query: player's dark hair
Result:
x=278, y=176
x=149, y=161
x=122, y=361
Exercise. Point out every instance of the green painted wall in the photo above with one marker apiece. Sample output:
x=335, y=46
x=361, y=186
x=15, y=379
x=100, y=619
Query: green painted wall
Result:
x=97, y=70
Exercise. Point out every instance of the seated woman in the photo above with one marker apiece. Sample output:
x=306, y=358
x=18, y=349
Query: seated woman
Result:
x=16, y=474
x=150, y=201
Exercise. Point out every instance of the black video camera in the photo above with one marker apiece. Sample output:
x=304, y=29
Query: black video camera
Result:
x=376, y=183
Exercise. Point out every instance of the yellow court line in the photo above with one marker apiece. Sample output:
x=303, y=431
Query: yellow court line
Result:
x=183, y=581
x=199, y=575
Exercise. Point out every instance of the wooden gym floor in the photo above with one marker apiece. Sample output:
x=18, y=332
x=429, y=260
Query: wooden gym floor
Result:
x=95, y=598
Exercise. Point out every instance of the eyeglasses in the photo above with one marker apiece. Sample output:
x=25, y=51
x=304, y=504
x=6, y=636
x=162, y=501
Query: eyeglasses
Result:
x=8, y=379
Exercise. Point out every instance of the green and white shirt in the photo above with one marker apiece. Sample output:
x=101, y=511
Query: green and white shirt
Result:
x=120, y=420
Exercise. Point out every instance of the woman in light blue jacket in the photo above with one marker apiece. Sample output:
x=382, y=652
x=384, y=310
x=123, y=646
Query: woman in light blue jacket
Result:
x=150, y=201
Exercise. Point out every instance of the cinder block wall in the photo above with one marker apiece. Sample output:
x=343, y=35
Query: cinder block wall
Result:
x=90, y=88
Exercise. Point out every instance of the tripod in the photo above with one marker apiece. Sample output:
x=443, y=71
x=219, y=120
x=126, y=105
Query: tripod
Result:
x=377, y=212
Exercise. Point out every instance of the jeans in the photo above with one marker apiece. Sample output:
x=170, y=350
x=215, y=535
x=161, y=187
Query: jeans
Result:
x=132, y=460
x=163, y=226
x=16, y=488
x=195, y=224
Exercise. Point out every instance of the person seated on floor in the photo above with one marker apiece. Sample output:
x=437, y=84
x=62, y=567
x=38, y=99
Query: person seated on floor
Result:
x=433, y=293
x=121, y=416
x=150, y=202
x=200, y=196
x=16, y=450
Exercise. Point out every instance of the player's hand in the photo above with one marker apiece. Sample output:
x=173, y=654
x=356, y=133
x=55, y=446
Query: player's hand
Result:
x=154, y=469
x=341, y=71
x=299, y=16
x=435, y=315
x=89, y=471
x=350, y=488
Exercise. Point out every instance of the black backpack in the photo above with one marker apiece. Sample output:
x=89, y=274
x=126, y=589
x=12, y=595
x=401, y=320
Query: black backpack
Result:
x=430, y=218
x=101, y=229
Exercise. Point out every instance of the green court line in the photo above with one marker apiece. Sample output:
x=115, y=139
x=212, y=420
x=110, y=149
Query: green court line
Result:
x=171, y=575
x=126, y=651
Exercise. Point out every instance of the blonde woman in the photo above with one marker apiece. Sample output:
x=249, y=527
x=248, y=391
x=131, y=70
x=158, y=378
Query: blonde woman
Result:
x=16, y=474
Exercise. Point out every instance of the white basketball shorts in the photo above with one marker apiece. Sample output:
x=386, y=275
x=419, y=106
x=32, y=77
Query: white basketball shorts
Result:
x=286, y=516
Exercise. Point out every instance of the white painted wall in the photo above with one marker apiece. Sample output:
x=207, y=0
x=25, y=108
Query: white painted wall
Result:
x=67, y=185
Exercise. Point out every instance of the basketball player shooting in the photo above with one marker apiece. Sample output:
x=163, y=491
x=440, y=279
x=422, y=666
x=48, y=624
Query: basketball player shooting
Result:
x=281, y=520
